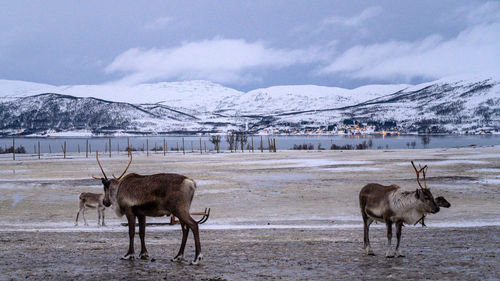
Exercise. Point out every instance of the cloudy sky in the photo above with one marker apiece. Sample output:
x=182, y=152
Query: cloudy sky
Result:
x=247, y=44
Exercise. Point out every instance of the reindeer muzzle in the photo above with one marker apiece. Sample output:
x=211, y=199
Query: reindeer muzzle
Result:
x=106, y=203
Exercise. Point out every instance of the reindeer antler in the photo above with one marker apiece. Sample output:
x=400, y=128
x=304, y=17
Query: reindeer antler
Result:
x=424, y=170
x=130, y=162
x=418, y=174
x=98, y=162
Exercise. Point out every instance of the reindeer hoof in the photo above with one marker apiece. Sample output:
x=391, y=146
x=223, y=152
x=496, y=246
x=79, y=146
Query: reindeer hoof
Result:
x=128, y=257
x=178, y=259
x=370, y=253
x=400, y=255
x=144, y=256
x=197, y=260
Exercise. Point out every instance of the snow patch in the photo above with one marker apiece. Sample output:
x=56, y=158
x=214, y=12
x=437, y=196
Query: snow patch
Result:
x=304, y=163
x=69, y=227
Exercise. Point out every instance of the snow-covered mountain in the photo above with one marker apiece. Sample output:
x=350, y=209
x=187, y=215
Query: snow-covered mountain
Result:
x=446, y=105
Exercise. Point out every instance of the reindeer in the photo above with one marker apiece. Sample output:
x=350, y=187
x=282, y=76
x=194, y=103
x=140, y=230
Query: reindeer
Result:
x=138, y=196
x=390, y=204
x=91, y=200
x=441, y=202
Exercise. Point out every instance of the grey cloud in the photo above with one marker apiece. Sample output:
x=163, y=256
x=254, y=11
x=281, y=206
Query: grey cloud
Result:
x=220, y=60
x=356, y=20
x=473, y=50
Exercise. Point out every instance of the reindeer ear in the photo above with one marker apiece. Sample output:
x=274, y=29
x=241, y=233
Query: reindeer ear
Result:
x=419, y=194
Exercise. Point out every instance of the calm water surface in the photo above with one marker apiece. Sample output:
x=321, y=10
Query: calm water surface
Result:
x=55, y=144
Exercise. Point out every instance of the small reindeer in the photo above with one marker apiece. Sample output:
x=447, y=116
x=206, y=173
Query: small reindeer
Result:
x=91, y=200
x=390, y=204
x=441, y=202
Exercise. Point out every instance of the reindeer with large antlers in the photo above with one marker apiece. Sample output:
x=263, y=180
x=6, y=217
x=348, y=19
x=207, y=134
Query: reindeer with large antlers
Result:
x=138, y=196
x=390, y=204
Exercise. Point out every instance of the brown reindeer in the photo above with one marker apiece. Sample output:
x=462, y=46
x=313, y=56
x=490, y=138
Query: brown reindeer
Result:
x=138, y=196
x=390, y=204
x=91, y=200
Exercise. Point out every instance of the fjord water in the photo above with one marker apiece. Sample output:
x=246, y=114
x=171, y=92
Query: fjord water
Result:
x=55, y=144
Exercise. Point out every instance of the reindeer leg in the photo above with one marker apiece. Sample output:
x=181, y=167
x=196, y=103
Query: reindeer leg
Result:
x=389, y=253
x=77, y=214
x=367, y=222
x=83, y=214
x=131, y=232
x=399, y=227
x=102, y=213
x=185, y=233
x=186, y=218
x=98, y=216
x=142, y=234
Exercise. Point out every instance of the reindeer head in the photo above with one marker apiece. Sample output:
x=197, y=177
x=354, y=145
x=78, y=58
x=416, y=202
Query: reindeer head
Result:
x=442, y=202
x=110, y=185
x=423, y=194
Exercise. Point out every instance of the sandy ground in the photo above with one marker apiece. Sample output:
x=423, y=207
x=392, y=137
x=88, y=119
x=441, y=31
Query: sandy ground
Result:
x=289, y=215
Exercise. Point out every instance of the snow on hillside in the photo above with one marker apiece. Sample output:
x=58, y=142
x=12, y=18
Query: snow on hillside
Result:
x=208, y=96
x=14, y=88
x=460, y=103
x=280, y=99
x=199, y=94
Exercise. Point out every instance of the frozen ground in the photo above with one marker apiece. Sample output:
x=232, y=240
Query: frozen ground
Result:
x=286, y=215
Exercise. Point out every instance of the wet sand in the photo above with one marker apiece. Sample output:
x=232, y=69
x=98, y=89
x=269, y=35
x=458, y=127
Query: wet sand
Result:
x=432, y=253
x=290, y=215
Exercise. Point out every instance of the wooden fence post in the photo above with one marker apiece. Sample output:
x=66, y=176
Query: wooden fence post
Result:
x=13, y=149
x=86, y=148
x=261, y=145
x=38, y=149
x=183, y=150
x=252, y=143
x=274, y=144
x=201, y=151
x=78, y=148
x=147, y=147
x=109, y=147
x=164, y=146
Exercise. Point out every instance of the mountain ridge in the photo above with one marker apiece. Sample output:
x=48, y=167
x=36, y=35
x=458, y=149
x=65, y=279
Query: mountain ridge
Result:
x=449, y=105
